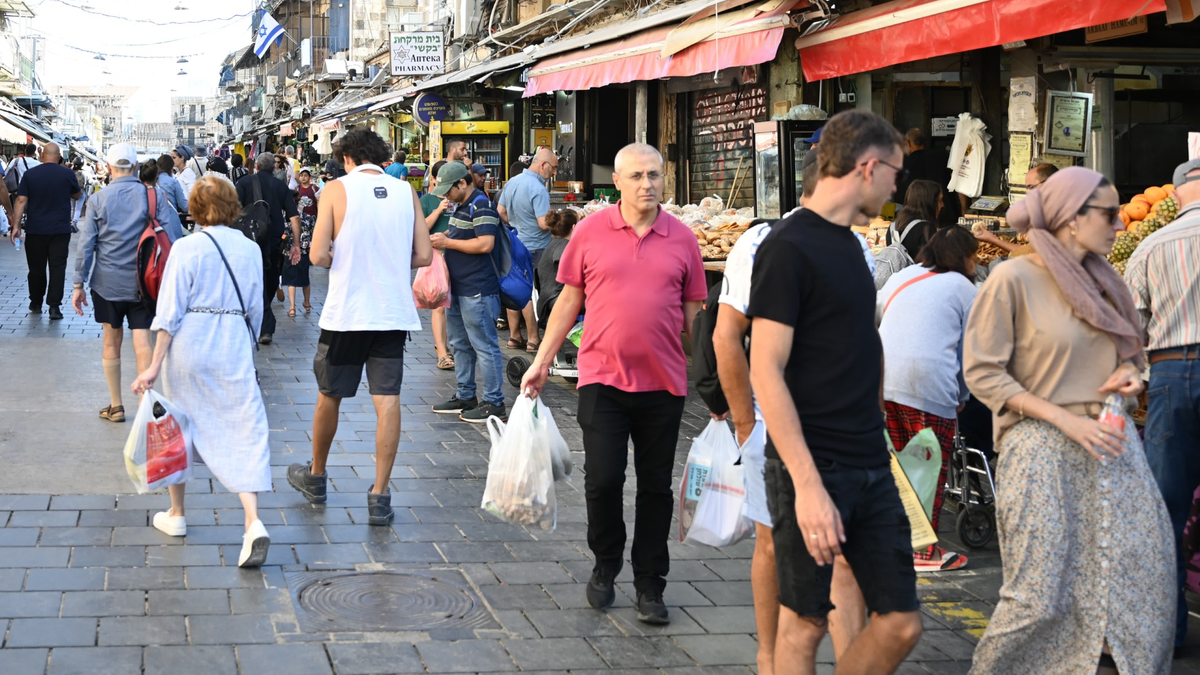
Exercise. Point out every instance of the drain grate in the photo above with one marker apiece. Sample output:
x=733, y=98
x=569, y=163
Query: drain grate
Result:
x=384, y=601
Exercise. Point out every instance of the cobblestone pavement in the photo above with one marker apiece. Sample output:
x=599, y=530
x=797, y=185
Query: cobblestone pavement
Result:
x=86, y=586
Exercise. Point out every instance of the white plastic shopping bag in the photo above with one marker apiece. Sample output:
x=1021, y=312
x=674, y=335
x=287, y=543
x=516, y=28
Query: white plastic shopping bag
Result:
x=527, y=455
x=719, y=518
x=715, y=448
x=159, y=450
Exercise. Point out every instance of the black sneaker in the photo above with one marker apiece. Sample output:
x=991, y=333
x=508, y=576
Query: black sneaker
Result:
x=379, y=508
x=266, y=339
x=55, y=313
x=651, y=608
x=312, y=487
x=480, y=414
x=35, y=308
x=600, y=589
x=455, y=406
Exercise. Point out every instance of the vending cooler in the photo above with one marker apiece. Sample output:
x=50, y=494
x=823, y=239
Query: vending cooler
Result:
x=487, y=143
x=780, y=147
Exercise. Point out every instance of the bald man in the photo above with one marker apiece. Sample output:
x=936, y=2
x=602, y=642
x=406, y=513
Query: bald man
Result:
x=44, y=196
x=640, y=269
x=524, y=205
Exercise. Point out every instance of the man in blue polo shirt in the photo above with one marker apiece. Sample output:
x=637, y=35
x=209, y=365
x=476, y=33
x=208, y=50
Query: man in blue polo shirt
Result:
x=44, y=196
x=524, y=204
x=471, y=255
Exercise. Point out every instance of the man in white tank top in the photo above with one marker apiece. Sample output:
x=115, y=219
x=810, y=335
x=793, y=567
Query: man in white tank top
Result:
x=381, y=236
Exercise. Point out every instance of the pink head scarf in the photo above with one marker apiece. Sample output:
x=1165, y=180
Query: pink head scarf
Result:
x=1095, y=291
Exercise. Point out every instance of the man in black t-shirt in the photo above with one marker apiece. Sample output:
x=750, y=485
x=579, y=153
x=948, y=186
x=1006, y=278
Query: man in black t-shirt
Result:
x=44, y=198
x=280, y=203
x=816, y=367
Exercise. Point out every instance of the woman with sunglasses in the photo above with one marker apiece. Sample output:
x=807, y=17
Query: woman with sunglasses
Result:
x=1089, y=580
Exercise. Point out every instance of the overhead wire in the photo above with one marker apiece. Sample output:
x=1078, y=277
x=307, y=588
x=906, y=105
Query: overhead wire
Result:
x=152, y=22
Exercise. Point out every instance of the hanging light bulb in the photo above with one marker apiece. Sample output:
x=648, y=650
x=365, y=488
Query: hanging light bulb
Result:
x=182, y=60
x=98, y=57
x=181, y=72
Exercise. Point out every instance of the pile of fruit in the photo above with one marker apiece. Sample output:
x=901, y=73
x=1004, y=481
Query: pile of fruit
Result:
x=1144, y=215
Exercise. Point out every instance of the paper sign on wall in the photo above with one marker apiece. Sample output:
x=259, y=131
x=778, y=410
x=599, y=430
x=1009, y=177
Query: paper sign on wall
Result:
x=1022, y=104
x=1020, y=155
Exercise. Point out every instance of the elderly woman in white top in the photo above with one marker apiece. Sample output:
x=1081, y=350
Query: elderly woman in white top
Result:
x=188, y=169
x=209, y=308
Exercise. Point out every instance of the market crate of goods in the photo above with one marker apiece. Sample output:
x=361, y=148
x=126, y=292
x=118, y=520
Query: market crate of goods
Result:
x=716, y=227
x=1144, y=215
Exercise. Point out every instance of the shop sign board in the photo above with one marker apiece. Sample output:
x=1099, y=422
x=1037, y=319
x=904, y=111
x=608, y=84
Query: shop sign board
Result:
x=419, y=53
x=429, y=107
x=1116, y=29
x=1068, y=123
x=944, y=126
x=435, y=140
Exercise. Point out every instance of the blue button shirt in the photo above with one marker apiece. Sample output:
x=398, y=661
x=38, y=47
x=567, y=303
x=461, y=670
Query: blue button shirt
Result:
x=174, y=192
x=526, y=199
x=109, y=234
x=397, y=170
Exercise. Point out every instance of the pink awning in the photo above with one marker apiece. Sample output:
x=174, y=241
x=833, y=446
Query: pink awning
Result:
x=910, y=30
x=746, y=37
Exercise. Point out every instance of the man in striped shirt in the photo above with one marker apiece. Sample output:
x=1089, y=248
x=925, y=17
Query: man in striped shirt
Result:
x=1166, y=289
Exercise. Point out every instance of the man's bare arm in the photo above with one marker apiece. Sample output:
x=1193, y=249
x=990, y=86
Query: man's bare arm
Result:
x=733, y=368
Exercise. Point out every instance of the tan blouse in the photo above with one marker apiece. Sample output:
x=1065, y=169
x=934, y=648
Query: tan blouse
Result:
x=1023, y=336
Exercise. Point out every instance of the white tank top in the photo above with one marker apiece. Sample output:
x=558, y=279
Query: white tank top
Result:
x=370, y=282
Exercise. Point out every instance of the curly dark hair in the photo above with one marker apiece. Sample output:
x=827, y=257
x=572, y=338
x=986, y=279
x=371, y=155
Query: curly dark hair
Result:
x=562, y=222
x=364, y=147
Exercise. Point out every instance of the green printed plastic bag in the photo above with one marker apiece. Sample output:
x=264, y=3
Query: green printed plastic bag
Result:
x=921, y=460
x=576, y=334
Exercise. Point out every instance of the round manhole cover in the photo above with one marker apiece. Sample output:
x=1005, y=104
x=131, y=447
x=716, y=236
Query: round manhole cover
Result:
x=389, y=601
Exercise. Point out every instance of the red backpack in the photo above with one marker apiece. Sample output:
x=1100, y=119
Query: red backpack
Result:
x=153, y=249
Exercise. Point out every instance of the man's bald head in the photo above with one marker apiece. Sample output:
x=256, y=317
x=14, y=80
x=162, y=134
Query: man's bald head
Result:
x=545, y=163
x=640, y=150
x=51, y=153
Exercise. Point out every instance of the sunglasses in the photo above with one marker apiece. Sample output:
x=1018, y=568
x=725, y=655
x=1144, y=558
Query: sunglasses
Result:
x=1113, y=212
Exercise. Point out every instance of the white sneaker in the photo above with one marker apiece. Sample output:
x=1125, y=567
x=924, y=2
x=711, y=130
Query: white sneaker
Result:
x=255, y=543
x=175, y=526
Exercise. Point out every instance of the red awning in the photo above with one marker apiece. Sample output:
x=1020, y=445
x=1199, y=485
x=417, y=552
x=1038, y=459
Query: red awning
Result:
x=744, y=37
x=909, y=30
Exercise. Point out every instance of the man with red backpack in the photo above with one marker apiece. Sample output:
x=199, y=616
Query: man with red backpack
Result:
x=106, y=262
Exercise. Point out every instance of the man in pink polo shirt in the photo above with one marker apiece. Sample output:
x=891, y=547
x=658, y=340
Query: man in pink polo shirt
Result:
x=640, y=269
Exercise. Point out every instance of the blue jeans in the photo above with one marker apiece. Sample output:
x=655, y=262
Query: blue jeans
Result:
x=1173, y=452
x=471, y=323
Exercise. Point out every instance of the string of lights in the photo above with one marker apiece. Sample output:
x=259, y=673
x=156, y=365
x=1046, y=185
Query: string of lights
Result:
x=110, y=55
x=191, y=37
x=89, y=10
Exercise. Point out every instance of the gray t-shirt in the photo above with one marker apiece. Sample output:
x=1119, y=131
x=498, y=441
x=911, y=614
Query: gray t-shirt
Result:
x=526, y=199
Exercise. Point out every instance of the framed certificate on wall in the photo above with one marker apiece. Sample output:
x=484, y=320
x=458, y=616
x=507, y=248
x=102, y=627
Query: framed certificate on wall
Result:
x=1068, y=123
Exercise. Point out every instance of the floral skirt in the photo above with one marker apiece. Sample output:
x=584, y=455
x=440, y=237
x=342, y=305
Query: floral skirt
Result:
x=1088, y=558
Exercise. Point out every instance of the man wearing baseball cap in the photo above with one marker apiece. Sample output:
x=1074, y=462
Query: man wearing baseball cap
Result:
x=479, y=174
x=44, y=198
x=1166, y=291
x=106, y=261
x=471, y=255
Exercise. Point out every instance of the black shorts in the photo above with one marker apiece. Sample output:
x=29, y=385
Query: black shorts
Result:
x=878, y=541
x=342, y=355
x=116, y=313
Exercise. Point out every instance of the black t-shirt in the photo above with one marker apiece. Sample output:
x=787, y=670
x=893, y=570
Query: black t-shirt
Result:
x=275, y=193
x=811, y=275
x=48, y=187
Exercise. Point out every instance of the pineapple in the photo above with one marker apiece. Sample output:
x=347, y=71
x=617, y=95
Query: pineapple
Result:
x=1124, y=246
x=1120, y=267
x=1151, y=225
x=1166, y=210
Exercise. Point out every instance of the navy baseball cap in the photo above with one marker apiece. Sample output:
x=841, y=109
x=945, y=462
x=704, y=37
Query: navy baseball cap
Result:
x=815, y=138
x=479, y=169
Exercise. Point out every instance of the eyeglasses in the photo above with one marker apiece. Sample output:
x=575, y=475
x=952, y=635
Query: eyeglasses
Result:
x=637, y=177
x=901, y=172
x=1113, y=211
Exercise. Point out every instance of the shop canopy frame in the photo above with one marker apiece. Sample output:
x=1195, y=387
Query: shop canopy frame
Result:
x=902, y=31
x=709, y=41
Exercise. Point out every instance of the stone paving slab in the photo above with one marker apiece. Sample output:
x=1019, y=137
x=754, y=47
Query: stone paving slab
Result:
x=87, y=586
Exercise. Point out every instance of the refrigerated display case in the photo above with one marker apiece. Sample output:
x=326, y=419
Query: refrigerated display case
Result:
x=779, y=149
x=487, y=143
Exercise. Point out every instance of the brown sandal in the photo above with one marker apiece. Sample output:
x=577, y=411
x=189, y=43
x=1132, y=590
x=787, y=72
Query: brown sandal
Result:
x=113, y=413
x=446, y=363
x=292, y=312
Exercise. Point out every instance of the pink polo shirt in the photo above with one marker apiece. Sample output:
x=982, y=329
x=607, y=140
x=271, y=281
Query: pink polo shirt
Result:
x=635, y=290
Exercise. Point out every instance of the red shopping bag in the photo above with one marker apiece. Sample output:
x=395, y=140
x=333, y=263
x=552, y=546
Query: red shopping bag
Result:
x=166, y=449
x=159, y=450
x=431, y=287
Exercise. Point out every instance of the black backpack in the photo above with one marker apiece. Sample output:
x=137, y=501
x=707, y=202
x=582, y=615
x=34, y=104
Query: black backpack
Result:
x=704, y=355
x=255, y=221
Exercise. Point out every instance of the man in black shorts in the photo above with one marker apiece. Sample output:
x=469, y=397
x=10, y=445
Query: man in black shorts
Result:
x=815, y=364
x=107, y=262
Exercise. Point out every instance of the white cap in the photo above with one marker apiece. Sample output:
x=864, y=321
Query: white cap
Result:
x=122, y=156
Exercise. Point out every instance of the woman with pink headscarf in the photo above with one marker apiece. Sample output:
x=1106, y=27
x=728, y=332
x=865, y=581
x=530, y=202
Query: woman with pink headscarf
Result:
x=1089, y=583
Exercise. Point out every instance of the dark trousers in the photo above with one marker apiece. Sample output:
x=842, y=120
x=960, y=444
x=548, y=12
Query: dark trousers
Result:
x=1173, y=453
x=609, y=418
x=272, y=248
x=42, y=251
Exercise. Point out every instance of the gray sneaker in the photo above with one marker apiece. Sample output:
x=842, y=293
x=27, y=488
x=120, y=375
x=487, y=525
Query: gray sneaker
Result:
x=481, y=413
x=312, y=487
x=455, y=406
x=379, y=508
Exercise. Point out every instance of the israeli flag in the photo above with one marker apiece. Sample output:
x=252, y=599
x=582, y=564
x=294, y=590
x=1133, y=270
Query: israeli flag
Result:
x=269, y=31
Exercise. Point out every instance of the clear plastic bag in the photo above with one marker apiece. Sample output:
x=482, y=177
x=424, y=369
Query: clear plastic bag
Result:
x=431, y=286
x=158, y=452
x=921, y=460
x=718, y=507
x=527, y=456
